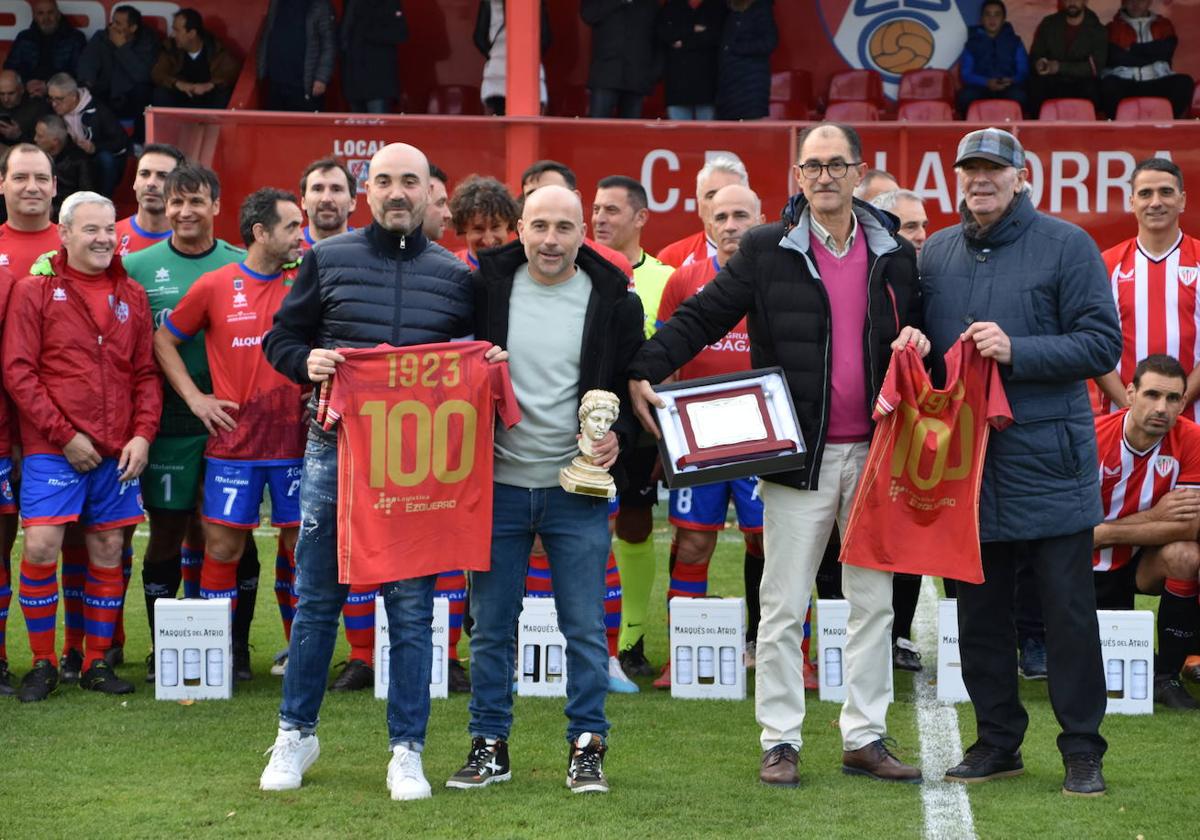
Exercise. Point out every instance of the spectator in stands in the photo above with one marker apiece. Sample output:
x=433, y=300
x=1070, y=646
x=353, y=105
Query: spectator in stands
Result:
x=1141, y=45
x=491, y=39
x=689, y=31
x=117, y=62
x=73, y=169
x=195, y=70
x=18, y=112
x=909, y=208
x=437, y=214
x=744, y=66
x=94, y=128
x=370, y=32
x=1070, y=49
x=622, y=70
x=484, y=214
x=50, y=45
x=296, y=54
x=994, y=64
x=876, y=182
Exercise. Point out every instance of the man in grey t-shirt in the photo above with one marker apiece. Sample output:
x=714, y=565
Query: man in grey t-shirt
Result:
x=571, y=325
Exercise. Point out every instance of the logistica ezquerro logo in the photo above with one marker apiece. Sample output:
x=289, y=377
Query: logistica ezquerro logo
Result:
x=893, y=37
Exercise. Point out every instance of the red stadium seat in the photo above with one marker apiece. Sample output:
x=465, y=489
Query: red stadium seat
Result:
x=925, y=110
x=791, y=95
x=852, y=112
x=994, y=111
x=1196, y=101
x=856, y=86
x=1075, y=110
x=927, y=84
x=454, y=100
x=1140, y=108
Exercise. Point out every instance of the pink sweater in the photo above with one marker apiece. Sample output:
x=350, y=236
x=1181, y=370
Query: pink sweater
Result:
x=845, y=280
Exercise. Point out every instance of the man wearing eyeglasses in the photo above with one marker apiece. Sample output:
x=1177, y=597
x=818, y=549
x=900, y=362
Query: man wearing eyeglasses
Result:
x=826, y=293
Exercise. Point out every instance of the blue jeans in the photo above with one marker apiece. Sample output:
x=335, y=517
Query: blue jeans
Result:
x=691, y=112
x=574, y=532
x=409, y=605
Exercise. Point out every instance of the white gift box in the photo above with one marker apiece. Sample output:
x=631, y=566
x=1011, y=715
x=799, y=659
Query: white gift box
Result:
x=541, y=650
x=708, y=644
x=438, y=686
x=832, y=618
x=193, y=649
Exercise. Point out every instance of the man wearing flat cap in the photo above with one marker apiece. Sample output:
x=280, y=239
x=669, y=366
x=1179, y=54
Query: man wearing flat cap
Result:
x=1031, y=291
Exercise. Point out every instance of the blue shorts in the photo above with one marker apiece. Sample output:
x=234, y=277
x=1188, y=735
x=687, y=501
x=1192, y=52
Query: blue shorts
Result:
x=8, y=502
x=703, y=508
x=614, y=507
x=53, y=493
x=233, y=492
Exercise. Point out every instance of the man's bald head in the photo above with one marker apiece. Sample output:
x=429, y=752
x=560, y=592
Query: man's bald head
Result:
x=398, y=187
x=735, y=209
x=12, y=89
x=551, y=229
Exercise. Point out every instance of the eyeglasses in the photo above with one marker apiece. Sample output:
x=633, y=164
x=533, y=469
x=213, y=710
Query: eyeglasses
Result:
x=837, y=169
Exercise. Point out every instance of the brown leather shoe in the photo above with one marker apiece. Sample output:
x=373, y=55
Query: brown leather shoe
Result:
x=876, y=761
x=779, y=766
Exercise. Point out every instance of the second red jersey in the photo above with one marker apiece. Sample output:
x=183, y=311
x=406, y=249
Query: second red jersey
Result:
x=1132, y=481
x=415, y=433
x=917, y=505
x=729, y=355
x=131, y=238
x=235, y=307
x=20, y=249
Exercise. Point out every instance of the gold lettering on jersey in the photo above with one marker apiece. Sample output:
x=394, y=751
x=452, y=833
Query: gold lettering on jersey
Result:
x=920, y=434
x=427, y=446
x=428, y=370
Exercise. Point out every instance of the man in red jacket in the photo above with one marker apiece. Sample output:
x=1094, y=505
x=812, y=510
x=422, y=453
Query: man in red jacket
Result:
x=79, y=364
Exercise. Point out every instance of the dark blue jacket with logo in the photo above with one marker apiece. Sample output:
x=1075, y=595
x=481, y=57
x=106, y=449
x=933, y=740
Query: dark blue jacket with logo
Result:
x=1043, y=282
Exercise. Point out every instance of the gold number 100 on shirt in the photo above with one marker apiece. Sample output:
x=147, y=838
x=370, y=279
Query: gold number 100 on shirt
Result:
x=913, y=440
x=427, y=449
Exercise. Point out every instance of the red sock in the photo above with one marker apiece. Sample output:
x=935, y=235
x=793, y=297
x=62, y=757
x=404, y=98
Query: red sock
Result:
x=805, y=645
x=612, y=604
x=74, y=575
x=285, y=586
x=191, y=558
x=537, y=578
x=5, y=601
x=358, y=614
x=688, y=580
x=219, y=580
x=38, y=596
x=453, y=586
x=103, y=595
x=126, y=572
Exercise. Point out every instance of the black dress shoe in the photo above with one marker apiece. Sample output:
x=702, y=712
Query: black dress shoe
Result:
x=983, y=762
x=906, y=659
x=1083, y=774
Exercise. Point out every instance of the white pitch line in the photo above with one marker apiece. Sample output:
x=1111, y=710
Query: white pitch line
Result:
x=947, y=809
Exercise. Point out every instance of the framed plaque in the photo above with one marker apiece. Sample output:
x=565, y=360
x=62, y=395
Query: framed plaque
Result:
x=730, y=426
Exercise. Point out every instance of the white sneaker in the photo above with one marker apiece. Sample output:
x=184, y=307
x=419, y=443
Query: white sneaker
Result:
x=279, y=666
x=617, y=681
x=405, y=777
x=291, y=755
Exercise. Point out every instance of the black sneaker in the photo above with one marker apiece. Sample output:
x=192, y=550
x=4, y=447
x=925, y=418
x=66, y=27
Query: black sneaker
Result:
x=150, y=668
x=486, y=763
x=356, y=675
x=39, y=683
x=115, y=656
x=100, y=677
x=457, y=680
x=1083, y=775
x=6, y=680
x=634, y=663
x=983, y=762
x=241, y=663
x=585, y=765
x=1032, y=664
x=906, y=658
x=69, y=666
x=1170, y=692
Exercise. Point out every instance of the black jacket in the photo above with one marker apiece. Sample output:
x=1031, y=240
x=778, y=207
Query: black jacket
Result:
x=773, y=282
x=120, y=75
x=36, y=55
x=369, y=287
x=690, y=70
x=623, y=54
x=612, y=328
x=744, y=69
x=370, y=32
x=483, y=28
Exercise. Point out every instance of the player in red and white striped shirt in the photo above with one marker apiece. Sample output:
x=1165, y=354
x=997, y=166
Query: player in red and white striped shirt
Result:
x=1154, y=279
x=1150, y=490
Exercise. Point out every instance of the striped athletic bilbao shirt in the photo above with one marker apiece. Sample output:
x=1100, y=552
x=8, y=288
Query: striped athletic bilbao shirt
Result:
x=1156, y=302
x=1132, y=481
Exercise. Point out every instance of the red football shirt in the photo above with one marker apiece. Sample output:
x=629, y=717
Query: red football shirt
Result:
x=690, y=249
x=8, y=417
x=917, y=505
x=729, y=355
x=131, y=238
x=235, y=307
x=415, y=458
x=1132, y=481
x=1156, y=303
x=19, y=250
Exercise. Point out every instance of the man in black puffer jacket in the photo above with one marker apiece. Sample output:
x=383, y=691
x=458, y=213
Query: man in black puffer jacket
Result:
x=383, y=284
x=826, y=294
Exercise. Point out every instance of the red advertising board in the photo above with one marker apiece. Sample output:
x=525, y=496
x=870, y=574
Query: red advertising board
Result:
x=1077, y=171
